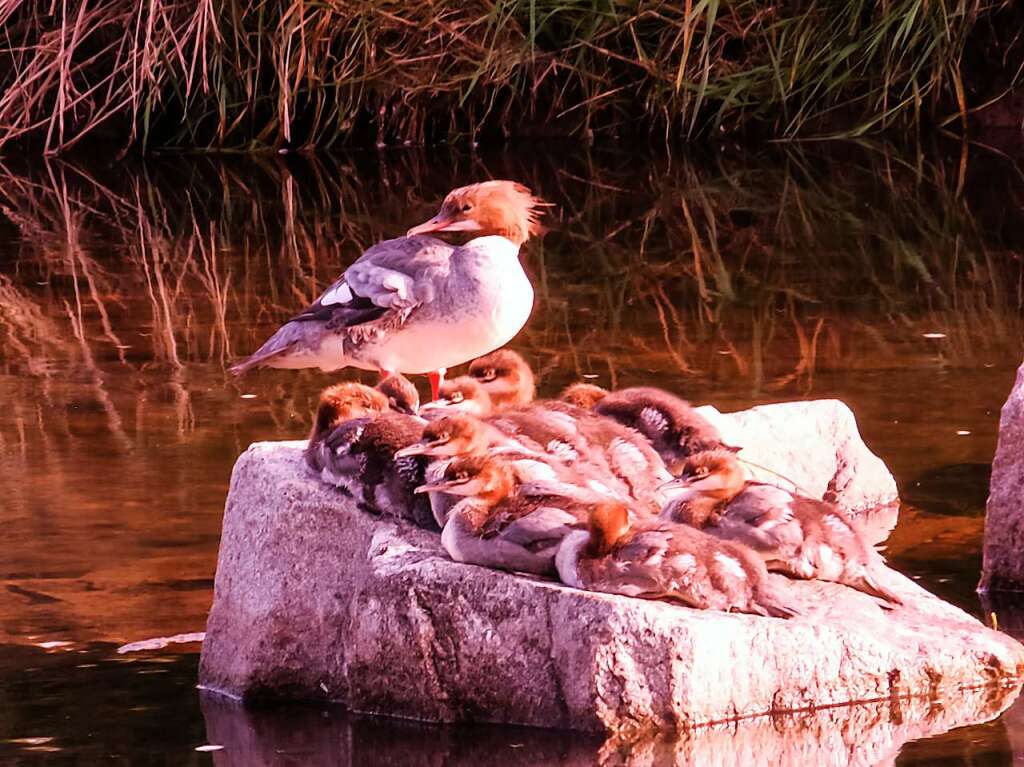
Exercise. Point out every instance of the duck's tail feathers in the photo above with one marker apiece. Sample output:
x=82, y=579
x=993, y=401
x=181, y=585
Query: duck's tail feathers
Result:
x=769, y=603
x=287, y=338
x=870, y=581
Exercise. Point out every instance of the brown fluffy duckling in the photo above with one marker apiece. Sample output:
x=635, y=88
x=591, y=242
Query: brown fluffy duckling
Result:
x=459, y=435
x=581, y=437
x=506, y=377
x=401, y=393
x=662, y=560
x=583, y=395
x=353, y=444
x=503, y=523
x=671, y=424
x=463, y=394
x=802, y=537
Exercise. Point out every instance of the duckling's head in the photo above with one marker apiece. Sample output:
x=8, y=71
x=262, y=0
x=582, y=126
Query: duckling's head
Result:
x=583, y=395
x=715, y=474
x=481, y=476
x=504, y=208
x=464, y=394
x=345, y=401
x=402, y=395
x=450, y=435
x=609, y=522
x=506, y=377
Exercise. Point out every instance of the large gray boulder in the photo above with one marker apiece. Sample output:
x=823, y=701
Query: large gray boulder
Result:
x=315, y=599
x=815, y=444
x=1003, y=562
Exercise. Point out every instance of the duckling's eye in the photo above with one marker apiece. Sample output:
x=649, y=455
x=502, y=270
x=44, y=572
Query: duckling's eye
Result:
x=466, y=207
x=488, y=374
x=443, y=436
x=702, y=471
x=461, y=476
x=456, y=396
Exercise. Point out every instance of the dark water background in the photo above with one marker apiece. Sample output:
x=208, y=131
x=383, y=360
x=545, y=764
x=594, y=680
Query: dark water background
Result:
x=734, y=278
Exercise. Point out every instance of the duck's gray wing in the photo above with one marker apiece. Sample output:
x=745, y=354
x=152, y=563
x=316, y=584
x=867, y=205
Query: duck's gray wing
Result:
x=384, y=286
x=376, y=295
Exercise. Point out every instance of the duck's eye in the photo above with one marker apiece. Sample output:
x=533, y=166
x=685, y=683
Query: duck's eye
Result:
x=466, y=207
x=461, y=476
x=702, y=471
x=456, y=396
x=488, y=374
x=443, y=436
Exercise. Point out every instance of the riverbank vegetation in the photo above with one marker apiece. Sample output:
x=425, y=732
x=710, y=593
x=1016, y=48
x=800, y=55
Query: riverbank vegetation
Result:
x=272, y=74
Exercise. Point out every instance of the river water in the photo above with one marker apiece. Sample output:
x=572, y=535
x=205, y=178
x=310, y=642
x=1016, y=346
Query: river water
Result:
x=891, y=281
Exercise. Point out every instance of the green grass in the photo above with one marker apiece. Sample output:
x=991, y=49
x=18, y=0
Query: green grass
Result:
x=234, y=74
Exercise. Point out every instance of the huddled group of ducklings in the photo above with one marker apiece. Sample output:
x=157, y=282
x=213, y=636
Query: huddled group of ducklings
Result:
x=628, y=492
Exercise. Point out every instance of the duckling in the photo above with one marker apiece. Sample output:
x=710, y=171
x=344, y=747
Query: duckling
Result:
x=339, y=403
x=360, y=457
x=353, y=446
x=506, y=377
x=465, y=394
x=577, y=435
x=583, y=395
x=401, y=393
x=461, y=434
x=673, y=427
x=799, y=536
x=505, y=524
x=662, y=560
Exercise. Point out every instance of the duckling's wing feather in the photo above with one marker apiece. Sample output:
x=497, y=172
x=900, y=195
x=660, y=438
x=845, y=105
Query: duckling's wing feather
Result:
x=541, y=529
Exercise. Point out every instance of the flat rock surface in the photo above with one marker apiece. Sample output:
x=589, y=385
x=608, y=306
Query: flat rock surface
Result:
x=315, y=599
x=1003, y=563
x=813, y=443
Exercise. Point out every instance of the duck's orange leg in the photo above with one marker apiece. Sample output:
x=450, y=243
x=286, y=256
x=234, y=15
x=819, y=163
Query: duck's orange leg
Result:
x=436, y=379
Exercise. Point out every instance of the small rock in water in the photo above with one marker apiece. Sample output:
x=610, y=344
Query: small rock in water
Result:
x=933, y=335
x=210, y=747
x=158, y=643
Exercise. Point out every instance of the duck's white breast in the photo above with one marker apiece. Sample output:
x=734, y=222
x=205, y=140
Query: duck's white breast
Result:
x=484, y=304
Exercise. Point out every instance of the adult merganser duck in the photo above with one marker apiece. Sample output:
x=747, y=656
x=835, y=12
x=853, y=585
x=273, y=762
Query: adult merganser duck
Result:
x=583, y=395
x=503, y=523
x=417, y=304
x=506, y=377
x=671, y=424
x=662, y=560
x=800, y=536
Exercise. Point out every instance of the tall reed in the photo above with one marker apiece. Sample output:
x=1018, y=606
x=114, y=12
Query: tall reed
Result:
x=299, y=74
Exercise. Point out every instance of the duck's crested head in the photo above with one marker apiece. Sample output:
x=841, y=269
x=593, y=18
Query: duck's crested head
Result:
x=506, y=377
x=345, y=401
x=482, y=476
x=464, y=394
x=504, y=208
x=714, y=473
x=583, y=395
x=401, y=394
x=609, y=522
x=450, y=435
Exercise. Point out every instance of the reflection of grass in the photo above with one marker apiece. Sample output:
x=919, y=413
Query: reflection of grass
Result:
x=766, y=273
x=231, y=74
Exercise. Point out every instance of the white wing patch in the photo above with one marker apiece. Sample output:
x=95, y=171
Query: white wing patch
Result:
x=685, y=563
x=563, y=451
x=626, y=457
x=339, y=294
x=730, y=565
x=653, y=419
x=836, y=524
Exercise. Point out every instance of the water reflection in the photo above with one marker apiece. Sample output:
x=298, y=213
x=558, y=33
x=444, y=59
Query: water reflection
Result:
x=850, y=736
x=894, y=283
